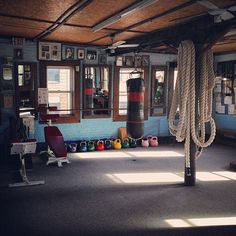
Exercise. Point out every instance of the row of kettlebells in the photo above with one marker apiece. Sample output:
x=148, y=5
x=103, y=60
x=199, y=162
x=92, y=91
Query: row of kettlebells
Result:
x=101, y=145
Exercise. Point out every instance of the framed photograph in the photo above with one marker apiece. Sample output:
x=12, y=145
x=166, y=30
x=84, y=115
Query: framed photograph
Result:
x=49, y=51
x=80, y=54
x=119, y=61
x=69, y=53
x=7, y=73
x=102, y=59
x=129, y=60
x=91, y=55
x=145, y=60
x=18, y=53
x=137, y=61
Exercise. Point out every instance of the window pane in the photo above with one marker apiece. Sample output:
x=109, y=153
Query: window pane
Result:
x=96, y=90
x=60, y=88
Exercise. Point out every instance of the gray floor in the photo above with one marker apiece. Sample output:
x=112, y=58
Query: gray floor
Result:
x=130, y=192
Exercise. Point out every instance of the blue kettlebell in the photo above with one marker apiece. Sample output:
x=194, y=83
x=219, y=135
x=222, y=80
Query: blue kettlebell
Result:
x=83, y=146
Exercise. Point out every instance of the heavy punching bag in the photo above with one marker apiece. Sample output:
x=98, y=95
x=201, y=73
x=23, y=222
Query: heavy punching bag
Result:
x=88, y=95
x=135, y=106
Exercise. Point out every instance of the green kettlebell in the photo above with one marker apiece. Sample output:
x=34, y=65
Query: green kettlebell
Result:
x=125, y=143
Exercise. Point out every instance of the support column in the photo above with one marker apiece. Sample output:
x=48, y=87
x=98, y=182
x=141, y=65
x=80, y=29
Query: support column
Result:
x=190, y=173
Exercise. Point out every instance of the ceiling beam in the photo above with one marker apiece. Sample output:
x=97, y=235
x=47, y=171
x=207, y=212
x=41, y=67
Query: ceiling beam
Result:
x=78, y=6
x=155, y=17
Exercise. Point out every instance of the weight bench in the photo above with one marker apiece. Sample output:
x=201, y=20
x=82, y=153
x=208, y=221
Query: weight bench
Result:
x=22, y=148
x=55, y=141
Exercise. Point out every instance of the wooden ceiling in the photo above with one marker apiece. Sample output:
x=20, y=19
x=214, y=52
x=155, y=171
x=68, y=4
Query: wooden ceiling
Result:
x=156, y=28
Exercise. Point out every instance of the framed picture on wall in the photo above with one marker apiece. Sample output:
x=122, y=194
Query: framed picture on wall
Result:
x=18, y=53
x=137, y=61
x=91, y=55
x=49, y=51
x=129, y=60
x=145, y=60
x=102, y=59
x=119, y=61
x=69, y=53
x=80, y=54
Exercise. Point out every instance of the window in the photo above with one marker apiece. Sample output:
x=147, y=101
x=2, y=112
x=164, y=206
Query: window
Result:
x=60, y=84
x=96, y=100
x=158, y=94
x=122, y=74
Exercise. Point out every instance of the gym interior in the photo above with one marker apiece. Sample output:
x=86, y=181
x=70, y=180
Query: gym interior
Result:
x=117, y=117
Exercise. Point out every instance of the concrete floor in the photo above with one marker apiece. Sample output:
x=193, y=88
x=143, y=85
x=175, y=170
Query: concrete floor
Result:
x=129, y=192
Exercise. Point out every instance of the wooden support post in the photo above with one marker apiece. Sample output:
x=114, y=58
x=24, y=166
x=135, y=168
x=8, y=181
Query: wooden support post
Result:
x=190, y=173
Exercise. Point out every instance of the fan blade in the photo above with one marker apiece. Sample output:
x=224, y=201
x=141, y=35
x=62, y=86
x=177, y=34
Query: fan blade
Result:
x=128, y=46
x=118, y=43
x=233, y=8
x=226, y=15
x=217, y=12
x=208, y=4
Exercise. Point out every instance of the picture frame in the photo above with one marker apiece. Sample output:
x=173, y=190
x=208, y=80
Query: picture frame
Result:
x=80, y=54
x=18, y=53
x=129, y=60
x=102, y=59
x=119, y=61
x=49, y=51
x=137, y=61
x=8, y=101
x=69, y=53
x=7, y=73
x=91, y=55
x=145, y=60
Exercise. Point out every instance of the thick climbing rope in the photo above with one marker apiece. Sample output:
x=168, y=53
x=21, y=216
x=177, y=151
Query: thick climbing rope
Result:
x=184, y=100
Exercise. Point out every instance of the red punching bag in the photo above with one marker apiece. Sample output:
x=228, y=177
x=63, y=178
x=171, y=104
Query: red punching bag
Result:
x=88, y=102
x=135, y=106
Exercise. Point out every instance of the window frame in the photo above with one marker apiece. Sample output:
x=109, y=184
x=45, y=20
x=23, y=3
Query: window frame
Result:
x=75, y=116
x=152, y=94
x=95, y=116
x=116, y=115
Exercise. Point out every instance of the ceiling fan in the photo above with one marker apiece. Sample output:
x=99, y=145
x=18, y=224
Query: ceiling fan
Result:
x=220, y=14
x=119, y=44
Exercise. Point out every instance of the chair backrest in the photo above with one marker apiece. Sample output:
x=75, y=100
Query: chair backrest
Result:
x=55, y=141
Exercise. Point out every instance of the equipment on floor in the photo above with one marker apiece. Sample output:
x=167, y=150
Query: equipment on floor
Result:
x=117, y=143
x=21, y=149
x=55, y=141
x=135, y=105
x=100, y=145
x=125, y=143
x=91, y=146
x=153, y=141
x=72, y=147
x=108, y=144
x=145, y=142
x=83, y=146
x=133, y=143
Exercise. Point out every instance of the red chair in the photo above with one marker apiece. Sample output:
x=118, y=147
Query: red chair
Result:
x=55, y=141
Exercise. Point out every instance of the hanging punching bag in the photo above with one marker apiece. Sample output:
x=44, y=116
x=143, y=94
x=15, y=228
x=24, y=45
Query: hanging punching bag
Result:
x=88, y=95
x=135, y=106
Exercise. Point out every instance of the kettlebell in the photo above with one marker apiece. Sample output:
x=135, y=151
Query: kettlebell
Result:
x=107, y=144
x=125, y=143
x=73, y=147
x=117, y=143
x=145, y=142
x=83, y=146
x=154, y=141
x=91, y=146
x=100, y=145
x=133, y=143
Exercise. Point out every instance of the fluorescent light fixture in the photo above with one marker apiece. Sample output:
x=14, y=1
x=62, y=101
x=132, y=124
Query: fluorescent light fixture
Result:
x=129, y=10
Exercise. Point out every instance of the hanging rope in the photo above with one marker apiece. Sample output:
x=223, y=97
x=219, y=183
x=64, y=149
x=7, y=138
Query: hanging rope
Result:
x=184, y=99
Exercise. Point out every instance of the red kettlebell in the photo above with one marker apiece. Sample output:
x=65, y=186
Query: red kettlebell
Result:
x=100, y=145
